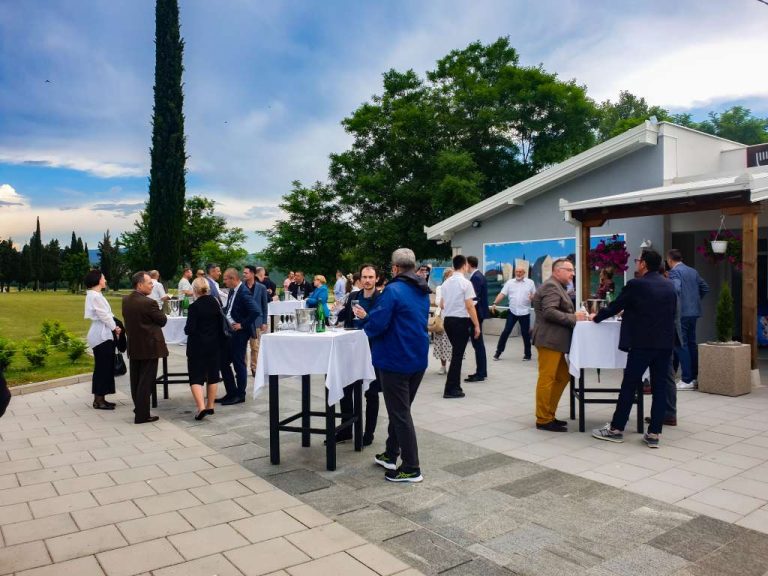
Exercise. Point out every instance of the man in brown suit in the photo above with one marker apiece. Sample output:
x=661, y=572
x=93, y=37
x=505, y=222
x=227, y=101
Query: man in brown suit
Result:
x=555, y=319
x=143, y=324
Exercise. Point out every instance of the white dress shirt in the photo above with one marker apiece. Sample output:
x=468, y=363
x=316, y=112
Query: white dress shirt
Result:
x=98, y=310
x=454, y=293
x=158, y=292
x=519, y=293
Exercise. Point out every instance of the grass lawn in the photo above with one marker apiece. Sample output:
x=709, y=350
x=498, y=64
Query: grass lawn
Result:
x=21, y=316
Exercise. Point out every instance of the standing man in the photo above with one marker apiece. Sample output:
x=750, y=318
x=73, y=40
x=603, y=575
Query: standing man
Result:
x=397, y=327
x=691, y=288
x=158, y=290
x=271, y=287
x=480, y=285
x=212, y=274
x=241, y=313
x=146, y=343
x=259, y=294
x=300, y=289
x=340, y=288
x=519, y=290
x=460, y=322
x=649, y=303
x=185, y=284
x=555, y=319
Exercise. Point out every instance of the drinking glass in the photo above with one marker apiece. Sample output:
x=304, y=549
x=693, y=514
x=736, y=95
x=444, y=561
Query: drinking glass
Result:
x=332, y=318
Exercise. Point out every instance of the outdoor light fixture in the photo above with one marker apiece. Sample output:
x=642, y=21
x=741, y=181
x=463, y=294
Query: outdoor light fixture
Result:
x=645, y=244
x=476, y=224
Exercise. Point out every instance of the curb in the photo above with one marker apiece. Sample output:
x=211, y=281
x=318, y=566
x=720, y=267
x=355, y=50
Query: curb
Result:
x=22, y=389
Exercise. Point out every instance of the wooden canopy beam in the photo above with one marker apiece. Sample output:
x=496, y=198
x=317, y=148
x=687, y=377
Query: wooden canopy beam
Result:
x=749, y=283
x=584, y=272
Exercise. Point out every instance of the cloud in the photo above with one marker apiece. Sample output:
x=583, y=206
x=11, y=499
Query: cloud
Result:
x=263, y=212
x=124, y=208
x=65, y=159
x=9, y=197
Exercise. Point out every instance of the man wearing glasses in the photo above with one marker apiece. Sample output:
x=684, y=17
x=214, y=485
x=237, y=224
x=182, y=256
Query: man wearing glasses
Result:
x=555, y=319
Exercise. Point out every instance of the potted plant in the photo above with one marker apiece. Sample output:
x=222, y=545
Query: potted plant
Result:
x=725, y=365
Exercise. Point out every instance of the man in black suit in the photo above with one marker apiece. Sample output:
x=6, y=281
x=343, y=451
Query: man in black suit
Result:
x=480, y=285
x=241, y=313
x=649, y=303
x=300, y=289
x=259, y=294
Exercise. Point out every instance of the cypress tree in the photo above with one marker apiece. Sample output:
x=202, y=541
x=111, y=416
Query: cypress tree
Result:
x=166, y=177
x=36, y=257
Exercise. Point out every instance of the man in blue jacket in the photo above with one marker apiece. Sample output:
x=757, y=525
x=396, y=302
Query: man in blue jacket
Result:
x=647, y=335
x=397, y=327
x=691, y=288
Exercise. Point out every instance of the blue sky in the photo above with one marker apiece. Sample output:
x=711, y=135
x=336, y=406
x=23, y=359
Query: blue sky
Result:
x=267, y=84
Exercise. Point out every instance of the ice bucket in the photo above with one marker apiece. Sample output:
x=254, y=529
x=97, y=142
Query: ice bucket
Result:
x=594, y=305
x=304, y=319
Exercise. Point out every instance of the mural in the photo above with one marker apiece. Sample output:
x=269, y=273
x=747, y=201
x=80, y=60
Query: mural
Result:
x=500, y=259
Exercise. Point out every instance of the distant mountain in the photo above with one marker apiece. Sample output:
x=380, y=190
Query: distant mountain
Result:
x=93, y=256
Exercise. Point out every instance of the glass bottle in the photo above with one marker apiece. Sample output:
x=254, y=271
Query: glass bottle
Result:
x=320, y=315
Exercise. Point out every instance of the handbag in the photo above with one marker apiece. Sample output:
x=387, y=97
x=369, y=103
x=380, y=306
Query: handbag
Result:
x=435, y=324
x=120, y=367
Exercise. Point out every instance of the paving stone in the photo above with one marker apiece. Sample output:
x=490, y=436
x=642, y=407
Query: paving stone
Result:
x=645, y=560
x=106, y=514
x=62, y=504
x=307, y=516
x=184, y=466
x=221, y=491
x=23, y=556
x=21, y=466
x=8, y=481
x=207, y=541
x=428, y=552
x=166, y=502
x=524, y=541
x=143, y=459
x=256, y=485
x=137, y=474
x=178, y=482
x=224, y=440
x=697, y=538
x=224, y=474
x=375, y=524
x=14, y=513
x=299, y=481
x=267, y=526
x=29, y=452
x=478, y=465
x=82, y=484
x=215, y=513
x=377, y=559
x=39, y=529
x=216, y=564
x=99, y=466
x=339, y=563
x=745, y=556
x=266, y=557
x=85, y=543
x=139, y=558
x=86, y=566
x=142, y=529
x=124, y=492
x=192, y=452
x=219, y=460
x=26, y=493
x=68, y=458
x=267, y=502
x=479, y=567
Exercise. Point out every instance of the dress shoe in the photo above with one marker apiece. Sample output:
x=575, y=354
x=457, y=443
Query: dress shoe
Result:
x=210, y=411
x=526, y=358
x=560, y=422
x=202, y=414
x=552, y=426
x=150, y=419
x=454, y=394
x=103, y=406
x=223, y=399
x=497, y=356
x=235, y=400
x=667, y=421
x=474, y=378
x=367, y=440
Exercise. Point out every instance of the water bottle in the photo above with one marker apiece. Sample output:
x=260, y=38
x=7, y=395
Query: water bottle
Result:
x=320, y=314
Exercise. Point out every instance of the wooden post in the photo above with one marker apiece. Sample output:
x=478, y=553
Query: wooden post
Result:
x=749, y=283
x=584, y=272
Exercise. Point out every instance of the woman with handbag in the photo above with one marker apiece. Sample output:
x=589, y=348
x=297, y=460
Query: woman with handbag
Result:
x=441, y=346
x=101, y=337
x=206, y=337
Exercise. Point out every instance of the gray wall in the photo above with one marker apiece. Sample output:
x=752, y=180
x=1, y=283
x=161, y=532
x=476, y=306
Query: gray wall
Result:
x=540, y=218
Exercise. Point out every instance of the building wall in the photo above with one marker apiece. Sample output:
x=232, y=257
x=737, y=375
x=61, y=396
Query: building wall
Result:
x=689, y=153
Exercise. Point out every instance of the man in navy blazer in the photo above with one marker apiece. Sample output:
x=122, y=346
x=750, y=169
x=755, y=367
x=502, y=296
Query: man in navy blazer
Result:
x=241, y=312
x=647, y=334
x=480, y=285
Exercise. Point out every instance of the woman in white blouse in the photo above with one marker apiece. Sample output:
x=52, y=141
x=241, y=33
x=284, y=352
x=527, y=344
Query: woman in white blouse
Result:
x=101, y=339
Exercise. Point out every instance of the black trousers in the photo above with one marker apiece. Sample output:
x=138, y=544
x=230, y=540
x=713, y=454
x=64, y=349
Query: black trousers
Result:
x=371, y=408
x=459, y=331
x=638, y=360
x=103, y=381
x=399, y=391
x=143, y=376
x=5, y=394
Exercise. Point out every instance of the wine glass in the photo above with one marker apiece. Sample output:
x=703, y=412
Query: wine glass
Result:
x=333, y=318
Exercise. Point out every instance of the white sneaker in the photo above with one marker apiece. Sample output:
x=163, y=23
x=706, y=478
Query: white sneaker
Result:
x=686, y=385
x=441, y=370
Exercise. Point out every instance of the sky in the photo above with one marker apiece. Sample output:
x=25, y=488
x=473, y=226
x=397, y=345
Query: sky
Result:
x=267, y=84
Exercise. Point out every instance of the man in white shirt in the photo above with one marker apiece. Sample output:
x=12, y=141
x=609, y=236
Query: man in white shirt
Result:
x=459, y=320
x=185, y=286
x=158, y=291
x=519, y=290
x=340, y=288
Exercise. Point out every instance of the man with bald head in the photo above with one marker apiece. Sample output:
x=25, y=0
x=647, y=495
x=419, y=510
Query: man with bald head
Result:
x=519, y=290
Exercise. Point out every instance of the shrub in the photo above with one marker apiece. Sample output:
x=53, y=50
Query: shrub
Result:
x=6, y=353
x=53, y=333
x=724, y=320
x=36, y=356
x=75, y=348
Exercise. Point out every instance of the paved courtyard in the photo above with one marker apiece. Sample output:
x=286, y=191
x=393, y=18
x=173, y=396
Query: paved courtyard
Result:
x=499, y=497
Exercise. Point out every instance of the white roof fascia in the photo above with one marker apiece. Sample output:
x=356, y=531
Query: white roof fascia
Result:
x=687, y=189
x=758, y=186
x=645, y=134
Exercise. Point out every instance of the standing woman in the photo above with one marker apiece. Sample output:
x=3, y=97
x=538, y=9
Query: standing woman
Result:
x=319, y=296
x=101, y=337
x=204, y=343
x=441, y=346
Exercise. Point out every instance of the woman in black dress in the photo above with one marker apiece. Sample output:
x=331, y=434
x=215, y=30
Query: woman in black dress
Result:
x=205, y=338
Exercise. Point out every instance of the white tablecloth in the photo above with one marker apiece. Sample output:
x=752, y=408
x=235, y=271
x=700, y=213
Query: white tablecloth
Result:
x=596, y=346
x=343, y=356
x=285, y=306
x=173, y=331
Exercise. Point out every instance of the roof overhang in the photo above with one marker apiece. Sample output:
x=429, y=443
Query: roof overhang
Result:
x=645, y=134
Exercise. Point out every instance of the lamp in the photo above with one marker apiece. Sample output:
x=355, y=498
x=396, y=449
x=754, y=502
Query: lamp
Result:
x=645, y=244
x=476, y=224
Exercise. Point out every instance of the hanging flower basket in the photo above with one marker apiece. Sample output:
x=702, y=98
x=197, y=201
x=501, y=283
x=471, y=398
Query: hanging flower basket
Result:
x=610, y=253
x=712, y=248
x=719, y=246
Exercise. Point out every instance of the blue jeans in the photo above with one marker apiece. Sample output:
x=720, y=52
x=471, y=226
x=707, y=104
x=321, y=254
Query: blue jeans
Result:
x=525, y=332
x=688, y=353
x=638, y=361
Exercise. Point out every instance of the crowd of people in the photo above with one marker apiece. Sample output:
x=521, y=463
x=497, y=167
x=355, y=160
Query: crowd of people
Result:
x=659, y=309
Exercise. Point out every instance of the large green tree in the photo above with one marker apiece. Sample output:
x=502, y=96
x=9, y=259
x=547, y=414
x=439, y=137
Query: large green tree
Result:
x=737, y=124
x=167, y=186
x=110, y=261
x=51, y=264
x=9, y=264
x=75, y=263
x=627, y=112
